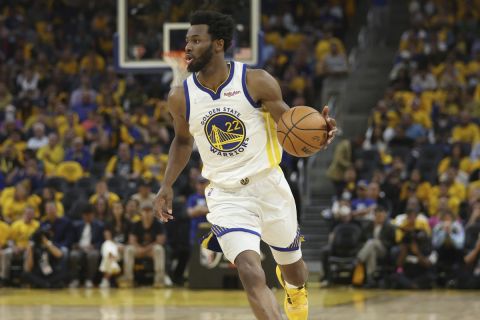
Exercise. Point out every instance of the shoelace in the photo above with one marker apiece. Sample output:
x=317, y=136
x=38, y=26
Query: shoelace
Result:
x=297, y=294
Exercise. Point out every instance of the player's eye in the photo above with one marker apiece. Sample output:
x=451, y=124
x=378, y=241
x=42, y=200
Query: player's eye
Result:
x=196, y=41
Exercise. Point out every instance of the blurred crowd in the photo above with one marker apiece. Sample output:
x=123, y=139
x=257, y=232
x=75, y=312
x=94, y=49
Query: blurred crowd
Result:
x=83, y=148
x=408, y=193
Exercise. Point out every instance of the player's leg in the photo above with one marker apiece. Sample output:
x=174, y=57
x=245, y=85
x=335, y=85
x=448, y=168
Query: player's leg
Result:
x=292, y=274
x=243, y=249
x=260, y=297
x=295, y=274
x=280, y=231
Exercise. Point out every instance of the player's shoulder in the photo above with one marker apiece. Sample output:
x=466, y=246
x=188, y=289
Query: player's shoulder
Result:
x=176, y=99
x=261, y=84
x=256, y=74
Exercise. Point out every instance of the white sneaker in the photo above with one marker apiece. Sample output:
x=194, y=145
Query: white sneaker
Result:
x=88, y=284
x=105, y=284
x=74, y=284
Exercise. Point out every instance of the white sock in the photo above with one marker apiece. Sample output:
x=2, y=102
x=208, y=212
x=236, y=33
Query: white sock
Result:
x=291, y=286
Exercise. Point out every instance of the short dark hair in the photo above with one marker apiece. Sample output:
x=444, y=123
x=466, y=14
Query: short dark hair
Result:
x=88, y=208
x=220, y=26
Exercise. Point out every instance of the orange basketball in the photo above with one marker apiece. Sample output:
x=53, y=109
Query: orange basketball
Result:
x=302, y=131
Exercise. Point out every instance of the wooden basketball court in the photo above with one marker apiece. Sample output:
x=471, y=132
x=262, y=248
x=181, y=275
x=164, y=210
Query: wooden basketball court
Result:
x=184, y=304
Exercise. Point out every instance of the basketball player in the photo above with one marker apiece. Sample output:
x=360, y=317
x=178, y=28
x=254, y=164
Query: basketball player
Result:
x=230, y=112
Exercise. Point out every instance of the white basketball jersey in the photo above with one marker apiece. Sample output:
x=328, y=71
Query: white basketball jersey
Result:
x=236, y=138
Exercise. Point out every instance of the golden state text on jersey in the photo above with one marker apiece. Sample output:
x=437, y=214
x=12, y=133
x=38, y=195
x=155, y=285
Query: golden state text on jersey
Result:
x=235, y=137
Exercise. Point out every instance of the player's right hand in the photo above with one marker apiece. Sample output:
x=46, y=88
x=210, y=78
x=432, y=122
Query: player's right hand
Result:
x=163, y=203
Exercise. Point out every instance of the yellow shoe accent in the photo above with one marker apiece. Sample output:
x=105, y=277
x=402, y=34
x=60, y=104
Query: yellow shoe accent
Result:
x=296, y=300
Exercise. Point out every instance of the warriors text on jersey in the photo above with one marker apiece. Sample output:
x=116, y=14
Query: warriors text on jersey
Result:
x=236, y=138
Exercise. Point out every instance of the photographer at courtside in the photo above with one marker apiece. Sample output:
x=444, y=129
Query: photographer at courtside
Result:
x=43, y=262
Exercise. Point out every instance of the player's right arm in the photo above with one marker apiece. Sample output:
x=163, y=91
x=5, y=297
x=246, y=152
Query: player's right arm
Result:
x=178, y=156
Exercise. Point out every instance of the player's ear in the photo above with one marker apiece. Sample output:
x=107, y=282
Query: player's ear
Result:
x=219, y=44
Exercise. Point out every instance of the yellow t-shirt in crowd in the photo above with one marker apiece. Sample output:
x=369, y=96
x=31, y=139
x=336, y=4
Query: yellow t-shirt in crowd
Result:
x=401, y=221
x=112, y=198
x=13, y=210
x=69, y=67
x=50, y=157
x=154, y=166
x=4, y=234
x=467, y=134
x=464, y=165
x=21, y=232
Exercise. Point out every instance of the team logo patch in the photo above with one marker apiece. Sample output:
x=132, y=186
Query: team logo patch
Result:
x=225, y=132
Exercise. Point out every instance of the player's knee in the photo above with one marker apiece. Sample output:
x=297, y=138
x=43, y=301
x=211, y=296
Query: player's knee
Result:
x=251, y=273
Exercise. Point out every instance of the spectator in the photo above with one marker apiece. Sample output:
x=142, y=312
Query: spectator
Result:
x=84, y=90
x=51, y=154
x=155, y=163
x=335, y=63
x=92, y=62
x=102, y=209
x=43, y=263
x=5, y=253
x=144, y=195
x=28, y=82
x=5, y=97
x=411, y=222
x=132, y=210
x=466, y=131
x=101, y=191
x=448, y=239
x=48, y=194
x=116, y=237
x=342, y=160
x=197, y=208
x=79, y=153
x=469, y=278
x=378, y=246
x=378, y=196
x=344, y=241
x=423, y=80
x=362, y=206
x=146, y=240
x=456, y=158
x=414, y=263
x=39, y=138
x=85, y=254
x=60, y=228
x=14, y=203
x=124, y=164
x=21, y=231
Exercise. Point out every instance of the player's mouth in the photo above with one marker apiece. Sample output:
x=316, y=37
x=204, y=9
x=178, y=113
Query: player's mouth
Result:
x=188, y=59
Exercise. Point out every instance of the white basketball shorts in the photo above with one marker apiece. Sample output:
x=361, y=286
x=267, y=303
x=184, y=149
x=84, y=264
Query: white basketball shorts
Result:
x=261, y=207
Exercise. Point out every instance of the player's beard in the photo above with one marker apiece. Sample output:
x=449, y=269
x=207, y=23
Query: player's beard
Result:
x=199, y=63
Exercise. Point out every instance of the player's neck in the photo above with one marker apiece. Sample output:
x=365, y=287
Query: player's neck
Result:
x=214, y=74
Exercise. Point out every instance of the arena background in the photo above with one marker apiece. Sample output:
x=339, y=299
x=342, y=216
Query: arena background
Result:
x=84, y=138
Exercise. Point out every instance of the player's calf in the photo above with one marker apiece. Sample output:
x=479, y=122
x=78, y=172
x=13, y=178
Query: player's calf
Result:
x=253, y=279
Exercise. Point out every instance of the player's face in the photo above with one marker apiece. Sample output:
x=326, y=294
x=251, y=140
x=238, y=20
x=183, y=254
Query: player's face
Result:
x=199, y=48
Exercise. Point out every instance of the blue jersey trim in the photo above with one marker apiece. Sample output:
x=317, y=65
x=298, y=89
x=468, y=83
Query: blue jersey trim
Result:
x=288, y=249
x=187, y=100
x=220, y=231
x=295, y=245
x=245, y=89
x=215, y=94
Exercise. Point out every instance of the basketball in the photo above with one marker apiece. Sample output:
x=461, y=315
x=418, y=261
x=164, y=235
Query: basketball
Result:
x=302, y=131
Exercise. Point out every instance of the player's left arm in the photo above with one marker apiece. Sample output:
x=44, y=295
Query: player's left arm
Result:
x=265, y=89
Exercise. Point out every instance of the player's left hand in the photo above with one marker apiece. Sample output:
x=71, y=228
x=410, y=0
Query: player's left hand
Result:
x=331, y=125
